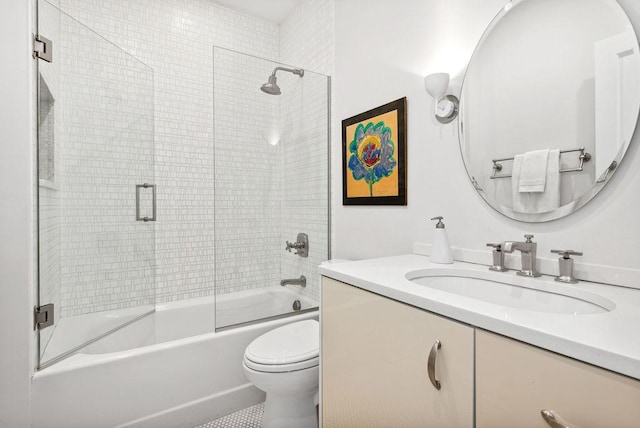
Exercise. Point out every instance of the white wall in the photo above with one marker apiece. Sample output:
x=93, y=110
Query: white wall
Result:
x=16, y=214
x=375, y=67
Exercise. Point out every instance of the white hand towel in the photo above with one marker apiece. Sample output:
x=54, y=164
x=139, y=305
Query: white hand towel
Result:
x=537, y=202
x=533, y=173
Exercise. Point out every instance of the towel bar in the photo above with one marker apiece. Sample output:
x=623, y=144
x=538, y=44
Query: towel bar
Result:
x=583, y=156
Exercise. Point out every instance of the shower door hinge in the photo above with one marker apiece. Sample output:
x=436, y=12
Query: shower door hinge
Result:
x=42, y=48
x=42, y=316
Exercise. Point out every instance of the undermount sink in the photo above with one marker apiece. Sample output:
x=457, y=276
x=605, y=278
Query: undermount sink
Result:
x=507, y=289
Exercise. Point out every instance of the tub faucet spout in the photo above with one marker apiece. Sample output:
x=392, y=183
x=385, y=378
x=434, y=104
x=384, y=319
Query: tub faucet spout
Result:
x=295, y=281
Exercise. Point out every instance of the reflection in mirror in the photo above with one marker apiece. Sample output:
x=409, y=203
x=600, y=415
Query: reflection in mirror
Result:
x=549, y=104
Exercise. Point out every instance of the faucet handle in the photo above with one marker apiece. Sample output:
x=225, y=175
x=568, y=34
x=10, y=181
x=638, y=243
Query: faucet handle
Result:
x=566, y=265
x=566, y=254
x=498, y=258
x=528, y=238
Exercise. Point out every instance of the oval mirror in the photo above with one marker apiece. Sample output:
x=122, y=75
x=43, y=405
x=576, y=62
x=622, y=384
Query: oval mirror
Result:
x=549, y=104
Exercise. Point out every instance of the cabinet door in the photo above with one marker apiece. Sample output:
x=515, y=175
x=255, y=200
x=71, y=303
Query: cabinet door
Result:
x=374, y=355
x=515, y=381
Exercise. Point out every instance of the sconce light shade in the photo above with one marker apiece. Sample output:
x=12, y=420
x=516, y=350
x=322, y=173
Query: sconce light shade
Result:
x=437, y=84
x=446, y=106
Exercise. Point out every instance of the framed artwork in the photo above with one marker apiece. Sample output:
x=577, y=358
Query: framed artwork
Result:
x=374, y=156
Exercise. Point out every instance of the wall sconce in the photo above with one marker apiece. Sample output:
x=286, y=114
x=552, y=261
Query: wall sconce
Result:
x=446, y=106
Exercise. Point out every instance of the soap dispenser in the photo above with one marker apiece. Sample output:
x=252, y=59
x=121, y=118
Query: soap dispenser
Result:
x=440, y=248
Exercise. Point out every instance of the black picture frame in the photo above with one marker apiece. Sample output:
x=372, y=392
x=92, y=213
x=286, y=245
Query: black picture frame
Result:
x=399, y=152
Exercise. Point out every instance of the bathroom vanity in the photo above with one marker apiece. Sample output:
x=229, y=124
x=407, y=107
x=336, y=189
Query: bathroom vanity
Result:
x=399, y=350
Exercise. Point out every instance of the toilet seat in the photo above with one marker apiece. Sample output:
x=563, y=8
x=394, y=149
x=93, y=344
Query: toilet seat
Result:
x=291, y=347
x=282, y=368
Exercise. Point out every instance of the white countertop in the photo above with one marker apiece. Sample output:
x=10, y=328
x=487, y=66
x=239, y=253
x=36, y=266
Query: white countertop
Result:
x=610, y=339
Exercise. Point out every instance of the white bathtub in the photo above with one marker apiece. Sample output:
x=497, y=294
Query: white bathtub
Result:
x=168, y=369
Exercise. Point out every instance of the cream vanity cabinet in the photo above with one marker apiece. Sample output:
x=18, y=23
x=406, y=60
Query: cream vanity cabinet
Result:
x=375, y=354
x=516, y=381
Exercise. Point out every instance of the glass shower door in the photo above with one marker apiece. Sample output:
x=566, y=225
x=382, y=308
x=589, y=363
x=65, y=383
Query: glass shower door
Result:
x=271, y=186
x=96, y=188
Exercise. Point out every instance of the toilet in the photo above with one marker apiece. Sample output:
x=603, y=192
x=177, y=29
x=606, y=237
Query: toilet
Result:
x=284, y=363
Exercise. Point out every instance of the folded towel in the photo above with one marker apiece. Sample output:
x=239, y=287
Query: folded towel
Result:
x=533, y=172
x=537, y=202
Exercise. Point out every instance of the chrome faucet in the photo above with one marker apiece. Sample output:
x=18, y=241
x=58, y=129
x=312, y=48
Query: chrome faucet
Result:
x=528, y=254
x=295, y=281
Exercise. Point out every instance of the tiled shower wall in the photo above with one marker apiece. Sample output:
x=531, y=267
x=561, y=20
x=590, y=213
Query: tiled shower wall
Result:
x=106, y=147
x=247, y=173
x=175, y=38
x=271, y=173
x=304, y=174
x=306, y=40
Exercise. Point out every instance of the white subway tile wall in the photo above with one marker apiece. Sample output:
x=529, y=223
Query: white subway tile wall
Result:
x=306, y=36
x=306, y=40
x=175, y=38
x=106, y=148
x=304, y=206
x=247, y=174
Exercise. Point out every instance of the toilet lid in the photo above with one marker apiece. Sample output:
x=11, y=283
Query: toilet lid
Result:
x=294, y=343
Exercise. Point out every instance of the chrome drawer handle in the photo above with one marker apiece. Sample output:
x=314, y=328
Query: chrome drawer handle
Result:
x=431, y=365
x=554, y=421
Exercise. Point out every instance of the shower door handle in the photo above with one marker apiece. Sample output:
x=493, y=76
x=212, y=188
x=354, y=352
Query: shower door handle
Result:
x=153, y=202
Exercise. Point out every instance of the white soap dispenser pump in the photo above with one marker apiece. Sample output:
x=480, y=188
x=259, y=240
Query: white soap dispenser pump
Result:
x=440, y=248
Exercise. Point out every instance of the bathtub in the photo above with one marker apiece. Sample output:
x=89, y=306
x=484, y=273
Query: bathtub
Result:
x=168, y=369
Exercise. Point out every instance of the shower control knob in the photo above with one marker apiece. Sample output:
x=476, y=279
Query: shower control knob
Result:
x=301, y=245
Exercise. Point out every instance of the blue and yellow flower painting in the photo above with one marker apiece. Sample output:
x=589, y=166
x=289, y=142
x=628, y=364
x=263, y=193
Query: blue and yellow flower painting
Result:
x=371, y=158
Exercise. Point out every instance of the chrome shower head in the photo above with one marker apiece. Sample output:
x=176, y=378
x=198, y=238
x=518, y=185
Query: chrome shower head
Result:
x=271, y=87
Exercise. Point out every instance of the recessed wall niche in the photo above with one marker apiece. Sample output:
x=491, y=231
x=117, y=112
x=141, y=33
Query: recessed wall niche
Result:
x=46, y=134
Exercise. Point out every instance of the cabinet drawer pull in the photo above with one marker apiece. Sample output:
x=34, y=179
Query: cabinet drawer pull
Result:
x=554, y=421
x=431, y=364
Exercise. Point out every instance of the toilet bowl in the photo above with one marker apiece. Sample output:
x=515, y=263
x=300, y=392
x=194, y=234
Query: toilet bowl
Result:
x=284, y=363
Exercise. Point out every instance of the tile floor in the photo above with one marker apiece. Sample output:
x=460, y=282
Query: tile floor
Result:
x=251, y=417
